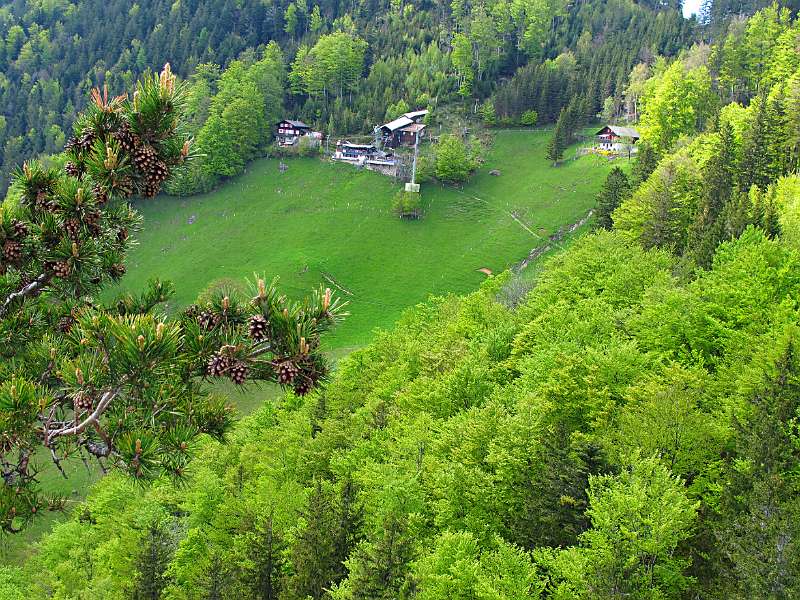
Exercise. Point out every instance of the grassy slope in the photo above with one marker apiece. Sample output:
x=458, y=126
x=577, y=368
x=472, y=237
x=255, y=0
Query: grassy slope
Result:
x=329, y=218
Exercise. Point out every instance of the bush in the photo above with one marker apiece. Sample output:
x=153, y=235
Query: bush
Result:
x=529, y=118
x=487, y=113
x=408, y=205
x=454, y=163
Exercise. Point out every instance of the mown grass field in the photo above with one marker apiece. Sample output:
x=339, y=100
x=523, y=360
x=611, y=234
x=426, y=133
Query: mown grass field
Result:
x=321, y=220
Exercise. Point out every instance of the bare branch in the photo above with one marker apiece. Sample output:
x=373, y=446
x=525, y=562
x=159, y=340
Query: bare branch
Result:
x=34, y=288
x=105, y=401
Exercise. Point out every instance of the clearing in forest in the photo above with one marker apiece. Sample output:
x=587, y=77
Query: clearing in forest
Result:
x=320, y=222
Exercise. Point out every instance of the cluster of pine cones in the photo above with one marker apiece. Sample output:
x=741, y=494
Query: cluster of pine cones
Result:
x=301, y=379
x=145, y=158
x=222, y=364
x=12, y=246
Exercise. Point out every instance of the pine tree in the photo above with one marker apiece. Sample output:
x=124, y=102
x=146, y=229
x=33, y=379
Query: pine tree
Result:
x=379, y=567
x=152, y=562
x=615, y=189
x=706, y=230
x=316, y=562
x=757, y=156
x=759, y=526
x=557, y=143
x=646, y=162
x=143, y=405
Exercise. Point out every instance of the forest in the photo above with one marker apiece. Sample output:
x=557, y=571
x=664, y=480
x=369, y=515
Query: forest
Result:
x=348, y=67
x=624, y=424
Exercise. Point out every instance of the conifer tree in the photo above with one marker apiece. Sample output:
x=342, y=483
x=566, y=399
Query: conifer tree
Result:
x=615, y=189
x=557, y=143
x=314, y=557
x=121, y=383
x=706, y=231
x=757, y=166
x=758, y=531
x=157, y=550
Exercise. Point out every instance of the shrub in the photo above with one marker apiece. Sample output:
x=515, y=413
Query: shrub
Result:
x=408, y=205
x=454, y=163
x=529, y=118
x=487, y=113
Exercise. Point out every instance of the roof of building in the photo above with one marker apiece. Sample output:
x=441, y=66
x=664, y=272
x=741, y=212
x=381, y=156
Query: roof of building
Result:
x=298, y=124
x=359, y=146
x=416, y=114
x=414, y=127
x=398, y=123
x=630, y=132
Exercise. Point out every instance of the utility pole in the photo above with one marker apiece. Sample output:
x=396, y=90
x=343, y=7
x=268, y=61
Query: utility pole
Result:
x=414, y=186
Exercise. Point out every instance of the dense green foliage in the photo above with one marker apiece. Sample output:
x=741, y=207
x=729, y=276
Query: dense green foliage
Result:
x=623, y=424
x=592, y=443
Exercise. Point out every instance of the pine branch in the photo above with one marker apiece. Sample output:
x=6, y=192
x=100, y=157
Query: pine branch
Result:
x=33, y=289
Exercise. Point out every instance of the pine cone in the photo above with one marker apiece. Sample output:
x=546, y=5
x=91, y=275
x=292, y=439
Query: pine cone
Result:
x=100, y=194
x=73, y=228
x=12, y=251
x=218, y=365
x=258, y=328
x=302, y=386
x=62, y=268
x=122, y=234
x=117, y=271
x=287, y=371
x=71, y=144
x=72, y=169
x=126, y=138
x=19, y=229
x=238, y=373
x=191, y=311
x=44, y=201
x=207, y=320
x=65, y=323
x=83, y=400
x=144, y=157
x=85, y=140
x=92, y=220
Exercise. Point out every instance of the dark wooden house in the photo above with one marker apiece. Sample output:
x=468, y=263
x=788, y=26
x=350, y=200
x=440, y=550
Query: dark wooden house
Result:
x=404, y=130
x=289, y=131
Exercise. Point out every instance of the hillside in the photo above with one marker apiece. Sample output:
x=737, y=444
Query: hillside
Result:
x=320, y=220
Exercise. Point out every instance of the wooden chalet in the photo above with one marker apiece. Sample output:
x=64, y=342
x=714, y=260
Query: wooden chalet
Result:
x=616, y=137
x=403, y=131
x=289, y=131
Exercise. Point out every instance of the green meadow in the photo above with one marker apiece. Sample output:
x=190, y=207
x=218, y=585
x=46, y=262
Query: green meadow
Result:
x=320, y=222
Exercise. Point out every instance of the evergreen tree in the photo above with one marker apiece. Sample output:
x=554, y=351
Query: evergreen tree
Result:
x=557, y=143
x=757, y=166
x=646, y=162
x=319, y=552
x=151, y=565
x=760, y=526
x=706, y=231
x=378, y=568
x=615, y=189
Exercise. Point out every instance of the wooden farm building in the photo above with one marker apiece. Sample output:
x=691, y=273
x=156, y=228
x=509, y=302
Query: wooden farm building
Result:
x=290, y=131
x=403, y=131
x=615, y=137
